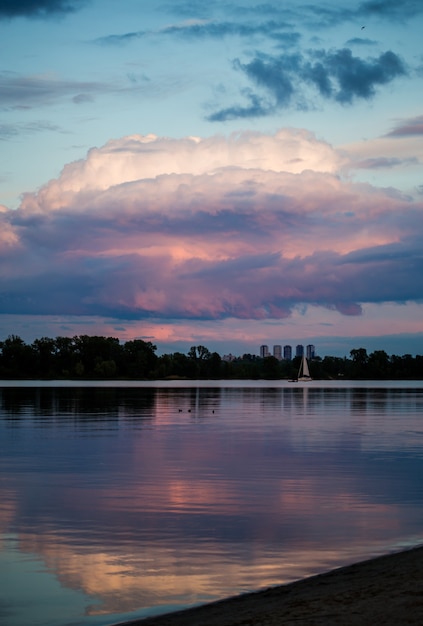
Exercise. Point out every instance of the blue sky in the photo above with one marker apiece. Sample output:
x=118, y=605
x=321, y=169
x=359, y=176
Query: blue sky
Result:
x=227, y=174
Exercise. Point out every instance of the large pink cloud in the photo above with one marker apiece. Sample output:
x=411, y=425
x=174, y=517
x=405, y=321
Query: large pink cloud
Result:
x=246, y=227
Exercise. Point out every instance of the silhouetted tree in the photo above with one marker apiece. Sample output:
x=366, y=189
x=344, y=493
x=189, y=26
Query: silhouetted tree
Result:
x=378, y=365
x=44, y=354
x=359, y=364
x=271, y=367
x=333, y=367
x=139, y=358
x=92, y=351
x=17, y=358
x=66, y=356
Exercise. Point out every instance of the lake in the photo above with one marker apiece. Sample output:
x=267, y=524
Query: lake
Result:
x=120, y=500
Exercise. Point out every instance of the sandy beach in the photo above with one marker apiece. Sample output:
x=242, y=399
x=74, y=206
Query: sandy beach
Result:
x=387, y=590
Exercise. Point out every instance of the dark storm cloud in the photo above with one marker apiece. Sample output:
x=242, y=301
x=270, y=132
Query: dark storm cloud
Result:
x=338, y=75
x=37, y=8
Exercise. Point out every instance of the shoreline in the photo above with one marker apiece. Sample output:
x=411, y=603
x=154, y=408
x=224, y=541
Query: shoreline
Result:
x=384, y=590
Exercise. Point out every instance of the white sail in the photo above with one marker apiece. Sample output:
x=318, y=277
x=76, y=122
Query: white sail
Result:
x=304, y=373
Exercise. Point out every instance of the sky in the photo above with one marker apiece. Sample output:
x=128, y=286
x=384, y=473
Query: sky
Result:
x=226, y=174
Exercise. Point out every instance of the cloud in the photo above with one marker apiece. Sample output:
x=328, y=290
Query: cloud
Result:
x=248, y=21
x=122, y=39
x=277, y=29
x=25, y=92
x=360, y=41
x=144, y=157
x=9, y=131
x=412, y=127
x=248, y=227
x=290, y=80
x=358, y=78
x=216, y=29
x=38, y=8
x=384, y=162
x=82, y=98
x=274, y=74
x=311, y=15
x=337, y=75
x=257, y=107
x=19, y=92
x=390, y=9
x=195, y=29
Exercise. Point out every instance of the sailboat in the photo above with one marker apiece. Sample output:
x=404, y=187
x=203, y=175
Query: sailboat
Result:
x=303, y=372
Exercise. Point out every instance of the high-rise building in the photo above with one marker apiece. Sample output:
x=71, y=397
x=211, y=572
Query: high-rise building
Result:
x=287, y=353
x=264, y=351
x=310, y=351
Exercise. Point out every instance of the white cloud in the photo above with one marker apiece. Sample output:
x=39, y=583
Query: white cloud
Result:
x=140, y=157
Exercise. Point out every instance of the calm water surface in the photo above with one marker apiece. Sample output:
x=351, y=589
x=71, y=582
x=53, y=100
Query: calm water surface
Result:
x=120, y=500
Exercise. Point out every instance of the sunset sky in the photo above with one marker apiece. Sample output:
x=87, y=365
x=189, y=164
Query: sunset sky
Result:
x=226, y=174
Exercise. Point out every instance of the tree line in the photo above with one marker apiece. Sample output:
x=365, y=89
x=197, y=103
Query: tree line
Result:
x=96, y=357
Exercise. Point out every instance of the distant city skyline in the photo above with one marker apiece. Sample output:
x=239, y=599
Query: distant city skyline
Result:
x=286, y=353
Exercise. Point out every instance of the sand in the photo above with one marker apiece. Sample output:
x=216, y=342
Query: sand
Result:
x=384, y=591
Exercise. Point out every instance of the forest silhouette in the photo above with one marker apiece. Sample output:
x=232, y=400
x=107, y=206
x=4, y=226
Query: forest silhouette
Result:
x=97, y=357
